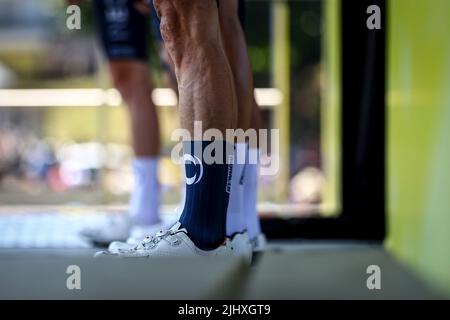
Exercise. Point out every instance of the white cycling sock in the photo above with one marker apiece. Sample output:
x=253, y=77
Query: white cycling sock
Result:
x=145, y=197
x=235, y=215
x=250, y=190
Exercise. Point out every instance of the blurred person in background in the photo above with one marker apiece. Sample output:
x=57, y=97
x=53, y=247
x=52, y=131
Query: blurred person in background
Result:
x=123, y=28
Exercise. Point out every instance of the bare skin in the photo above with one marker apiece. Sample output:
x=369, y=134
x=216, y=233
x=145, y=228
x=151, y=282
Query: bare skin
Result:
x=192, y=37
x=233, y=39
x=169, y=72
x=131, y=79
x=236, y=49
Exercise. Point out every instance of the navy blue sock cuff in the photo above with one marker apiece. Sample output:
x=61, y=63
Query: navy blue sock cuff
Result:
x=208, y=167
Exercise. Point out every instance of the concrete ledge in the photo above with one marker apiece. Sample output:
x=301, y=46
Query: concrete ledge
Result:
x=334, y=273
x=44, y=277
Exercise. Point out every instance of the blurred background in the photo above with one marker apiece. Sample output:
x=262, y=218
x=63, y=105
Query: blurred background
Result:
x=61, y=147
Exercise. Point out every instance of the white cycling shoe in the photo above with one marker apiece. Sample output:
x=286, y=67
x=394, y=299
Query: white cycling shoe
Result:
x=137, y=234
x=259, y=243
x=242, y=246
x=107, y=231
x=114, y=229
x=173, y=242
x=245, y=247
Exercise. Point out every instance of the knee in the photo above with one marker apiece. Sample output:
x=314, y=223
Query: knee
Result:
x=185, y=25
x=170, y=25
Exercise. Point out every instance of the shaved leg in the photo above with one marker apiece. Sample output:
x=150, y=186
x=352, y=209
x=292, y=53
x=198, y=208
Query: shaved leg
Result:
x=255, y=122
x=131, y=79
x=236, y=50
x=191, y=33
x=168, y=69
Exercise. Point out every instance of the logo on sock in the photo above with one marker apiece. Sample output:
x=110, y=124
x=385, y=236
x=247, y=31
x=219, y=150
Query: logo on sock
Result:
x=196, y=162
x=229, y=175
x=241, y=180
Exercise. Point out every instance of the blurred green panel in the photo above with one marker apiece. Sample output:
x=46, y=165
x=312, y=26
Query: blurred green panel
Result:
x=281, y=62
x=331, y=107
x=419, y=136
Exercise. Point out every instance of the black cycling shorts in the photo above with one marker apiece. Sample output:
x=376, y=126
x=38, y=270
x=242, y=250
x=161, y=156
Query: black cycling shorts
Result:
x=123, y=30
